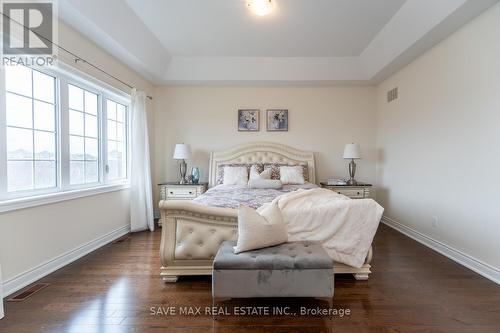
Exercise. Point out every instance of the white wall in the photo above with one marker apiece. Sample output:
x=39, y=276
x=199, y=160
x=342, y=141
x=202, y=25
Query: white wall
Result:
x=439, y=142
x=31, y=237
x=321, y=119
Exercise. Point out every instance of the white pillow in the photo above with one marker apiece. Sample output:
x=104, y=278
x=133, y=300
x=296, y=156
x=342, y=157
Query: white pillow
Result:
x=254, y=173
x=274, y=184
x=235, y=175
x=292, y=175
x=256, y=231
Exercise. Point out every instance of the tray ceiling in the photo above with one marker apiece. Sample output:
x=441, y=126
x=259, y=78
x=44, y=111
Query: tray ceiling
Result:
x=301, y=42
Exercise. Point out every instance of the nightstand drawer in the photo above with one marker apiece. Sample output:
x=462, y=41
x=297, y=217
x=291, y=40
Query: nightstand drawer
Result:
x=357, y=193
x=181, y=192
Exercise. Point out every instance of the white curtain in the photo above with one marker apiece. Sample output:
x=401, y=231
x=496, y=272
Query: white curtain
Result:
x=141, y=200
x=1, y=294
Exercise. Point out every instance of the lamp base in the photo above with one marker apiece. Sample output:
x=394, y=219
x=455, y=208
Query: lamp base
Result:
x=352, y=182
x=352, y=172
x=183, y=169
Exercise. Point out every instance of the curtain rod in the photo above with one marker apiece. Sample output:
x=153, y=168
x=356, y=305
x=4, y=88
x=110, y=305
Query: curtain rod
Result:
x=77, y=58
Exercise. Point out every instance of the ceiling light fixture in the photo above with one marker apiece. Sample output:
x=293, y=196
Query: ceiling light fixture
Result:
x=260, y=7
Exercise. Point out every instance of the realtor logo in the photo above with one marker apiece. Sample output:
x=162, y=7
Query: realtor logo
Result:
x=29, y=32
x=27, y=28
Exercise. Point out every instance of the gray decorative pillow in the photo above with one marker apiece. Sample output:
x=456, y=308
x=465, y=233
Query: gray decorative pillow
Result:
x=275, y=170
x=220, y=169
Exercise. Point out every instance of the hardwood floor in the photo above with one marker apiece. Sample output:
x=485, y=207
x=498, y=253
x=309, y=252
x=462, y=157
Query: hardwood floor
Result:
x=411, y=289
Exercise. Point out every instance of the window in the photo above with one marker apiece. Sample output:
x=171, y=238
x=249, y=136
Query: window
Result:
x=117, y=154
x=83, y=136
x=31, y=129
x=59, y=132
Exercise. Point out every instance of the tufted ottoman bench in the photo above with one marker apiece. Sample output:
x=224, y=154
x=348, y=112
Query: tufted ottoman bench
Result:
x=298, y=269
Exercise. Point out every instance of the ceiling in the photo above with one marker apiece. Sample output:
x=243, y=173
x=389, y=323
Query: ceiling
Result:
x=296, y=28
x=300, y=42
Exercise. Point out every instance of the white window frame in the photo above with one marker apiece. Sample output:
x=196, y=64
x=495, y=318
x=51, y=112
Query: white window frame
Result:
x=4, y=195
x=100, y=113
x=127, y=137
x=64, y=190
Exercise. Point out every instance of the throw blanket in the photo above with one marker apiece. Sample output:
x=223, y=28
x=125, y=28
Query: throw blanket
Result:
x=344, y=227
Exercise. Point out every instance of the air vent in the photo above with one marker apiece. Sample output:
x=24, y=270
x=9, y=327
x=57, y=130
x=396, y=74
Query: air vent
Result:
x=27, y=292
x=392, y=95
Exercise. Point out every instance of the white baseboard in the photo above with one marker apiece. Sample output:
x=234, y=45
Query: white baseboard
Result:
x=22, y=280
x=463, y=259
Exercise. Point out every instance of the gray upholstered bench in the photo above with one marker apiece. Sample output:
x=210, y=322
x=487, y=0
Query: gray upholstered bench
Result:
x=298, y=269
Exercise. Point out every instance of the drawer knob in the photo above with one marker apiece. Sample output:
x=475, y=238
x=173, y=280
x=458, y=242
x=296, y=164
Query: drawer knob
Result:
x=171, y=192
x=190, y=192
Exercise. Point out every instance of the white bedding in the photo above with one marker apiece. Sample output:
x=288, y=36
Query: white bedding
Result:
x=345, y=227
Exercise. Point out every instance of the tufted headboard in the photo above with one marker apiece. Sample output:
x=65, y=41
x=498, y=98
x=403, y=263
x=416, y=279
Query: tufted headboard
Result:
x=261, y=152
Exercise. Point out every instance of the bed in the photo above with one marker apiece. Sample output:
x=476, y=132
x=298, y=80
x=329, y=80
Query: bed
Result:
x=193, y=230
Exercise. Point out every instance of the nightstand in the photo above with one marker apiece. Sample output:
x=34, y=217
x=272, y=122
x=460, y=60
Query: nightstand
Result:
x=360, y=191
x=176, y=191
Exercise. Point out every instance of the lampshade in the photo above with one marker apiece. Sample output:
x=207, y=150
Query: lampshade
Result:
x=352, y=151
x=182, y=152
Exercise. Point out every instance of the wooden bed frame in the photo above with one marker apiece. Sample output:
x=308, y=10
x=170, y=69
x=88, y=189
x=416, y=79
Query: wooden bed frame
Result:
x=192, y=233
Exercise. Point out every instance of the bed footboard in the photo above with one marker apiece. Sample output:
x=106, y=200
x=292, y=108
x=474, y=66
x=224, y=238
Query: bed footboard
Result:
x=192, y=234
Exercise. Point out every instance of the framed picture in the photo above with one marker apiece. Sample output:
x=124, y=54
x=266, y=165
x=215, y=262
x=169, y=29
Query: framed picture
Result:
x=277, y=120
x=248, y=120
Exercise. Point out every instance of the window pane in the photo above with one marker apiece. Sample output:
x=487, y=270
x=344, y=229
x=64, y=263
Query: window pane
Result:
x=113, y=169
x=45, y=145
x=19, y=175
x=19, y=110
x=44, y=116
x=120, y=150
x=112, y=151
x=120, y=132
x=111, y=109
x=91, y=150
x=26, y=147
x=90, y=126
x=43, y=87
x=76, y=172
x=19, y=143
x=120, y=112
x=116, y=160
x=75, y=122
x=90, y=103
x=91, y=173
x=45, y=174
x=18, y=80
x=75, y=96
x=116, y=134
x=84, y=148
x=76, y=148
x=111, y=130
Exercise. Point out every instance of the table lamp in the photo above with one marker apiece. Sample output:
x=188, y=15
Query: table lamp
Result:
x=182, y=152
x=352, y=151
